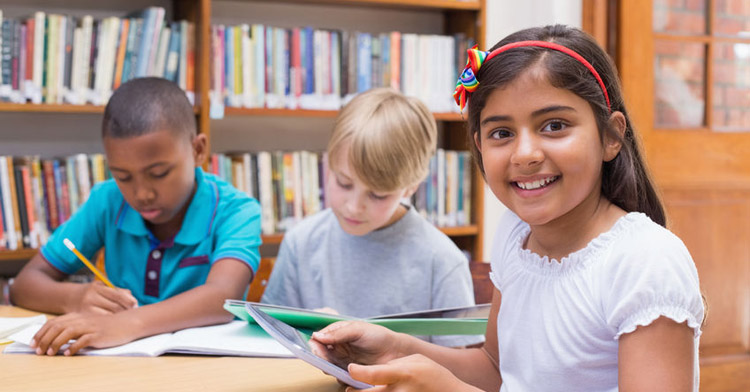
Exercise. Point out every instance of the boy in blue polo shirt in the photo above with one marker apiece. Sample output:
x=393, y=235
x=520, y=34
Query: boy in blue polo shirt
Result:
x=177, y=241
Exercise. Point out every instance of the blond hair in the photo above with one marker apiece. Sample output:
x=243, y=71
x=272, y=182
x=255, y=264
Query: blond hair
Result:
x=390, y=139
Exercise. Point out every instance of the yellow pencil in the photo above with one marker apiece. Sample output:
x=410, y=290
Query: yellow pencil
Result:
x=88, y=264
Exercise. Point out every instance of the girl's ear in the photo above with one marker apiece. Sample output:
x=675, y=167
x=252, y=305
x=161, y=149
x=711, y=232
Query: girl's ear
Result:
x=612, y=144
x=477, y=141
x=199, y=149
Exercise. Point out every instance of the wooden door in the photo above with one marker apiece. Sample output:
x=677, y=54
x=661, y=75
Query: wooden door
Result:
x=685, y=66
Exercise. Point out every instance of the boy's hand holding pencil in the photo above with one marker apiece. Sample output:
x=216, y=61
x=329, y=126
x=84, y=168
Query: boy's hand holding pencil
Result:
x=100, y=296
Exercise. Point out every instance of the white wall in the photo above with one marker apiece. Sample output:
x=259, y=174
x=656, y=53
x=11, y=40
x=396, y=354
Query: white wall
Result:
x=505, y=17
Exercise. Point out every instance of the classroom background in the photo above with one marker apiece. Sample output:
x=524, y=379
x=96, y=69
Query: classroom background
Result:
x=685, y=66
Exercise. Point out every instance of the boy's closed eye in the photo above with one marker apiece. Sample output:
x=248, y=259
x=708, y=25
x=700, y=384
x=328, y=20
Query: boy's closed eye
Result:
x=160, y=174
x=375, y=196
x=343, y=185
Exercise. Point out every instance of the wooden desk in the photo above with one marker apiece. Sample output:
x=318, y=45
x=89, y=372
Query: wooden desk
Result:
x=19, y=372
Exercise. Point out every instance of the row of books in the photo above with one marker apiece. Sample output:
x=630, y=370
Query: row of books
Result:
x=291, y=185
x=37, y=195
x=258, y=66
x=55, y=58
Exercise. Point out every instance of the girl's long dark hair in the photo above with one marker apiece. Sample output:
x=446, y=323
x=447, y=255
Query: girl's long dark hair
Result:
x=625, y=179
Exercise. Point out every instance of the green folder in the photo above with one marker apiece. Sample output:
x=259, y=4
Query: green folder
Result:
x=453, y=321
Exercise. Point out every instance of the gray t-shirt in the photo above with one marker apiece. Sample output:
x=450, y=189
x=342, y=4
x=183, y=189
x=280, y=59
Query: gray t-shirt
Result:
x=405, y=267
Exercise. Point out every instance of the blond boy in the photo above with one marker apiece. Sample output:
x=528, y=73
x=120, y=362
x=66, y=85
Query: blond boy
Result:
x=369, y=254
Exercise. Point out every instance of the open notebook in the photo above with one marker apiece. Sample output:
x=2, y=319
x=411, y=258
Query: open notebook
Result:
x=237, y=338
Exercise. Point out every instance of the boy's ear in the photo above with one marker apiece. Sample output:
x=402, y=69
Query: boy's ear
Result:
x=410, y=191
x=612, y=145
x=200, y=150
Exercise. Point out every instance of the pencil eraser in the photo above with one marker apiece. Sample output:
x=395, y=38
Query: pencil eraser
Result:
x=68, y=244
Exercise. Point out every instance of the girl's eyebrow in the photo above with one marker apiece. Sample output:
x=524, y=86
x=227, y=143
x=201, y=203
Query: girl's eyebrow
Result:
x=536, y=113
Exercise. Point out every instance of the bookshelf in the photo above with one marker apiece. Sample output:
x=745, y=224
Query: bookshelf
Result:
x=448, y=16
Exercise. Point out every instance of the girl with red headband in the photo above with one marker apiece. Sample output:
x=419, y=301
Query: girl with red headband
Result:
x=593, y=293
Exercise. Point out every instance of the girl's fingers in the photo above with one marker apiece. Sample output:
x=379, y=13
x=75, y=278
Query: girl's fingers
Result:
x=339, y=332
x=384, y=374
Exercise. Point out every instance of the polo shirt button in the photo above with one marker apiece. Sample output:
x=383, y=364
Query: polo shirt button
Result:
x=156, y=254
x=152, y=275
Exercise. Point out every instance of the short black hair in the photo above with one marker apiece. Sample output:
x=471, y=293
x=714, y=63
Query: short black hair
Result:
x=146, y=105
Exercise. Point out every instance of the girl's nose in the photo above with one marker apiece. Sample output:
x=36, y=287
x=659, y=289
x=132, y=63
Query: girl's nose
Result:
x=528, y=151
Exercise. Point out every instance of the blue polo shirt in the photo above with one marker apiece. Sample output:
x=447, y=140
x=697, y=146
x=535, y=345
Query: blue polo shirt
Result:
x=221, y=222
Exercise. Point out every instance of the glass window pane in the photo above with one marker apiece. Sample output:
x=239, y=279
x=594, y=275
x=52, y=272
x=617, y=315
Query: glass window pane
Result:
x=731, y=87
x=732, y=17
x=679, y=84
x=680, y=16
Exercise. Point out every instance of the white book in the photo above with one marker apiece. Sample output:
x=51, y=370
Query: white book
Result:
x=236, y=338
x=38, y=66
x=113, y=36
x=161, y=56
x=440, y=187
x=259, y=42
x=265, y=193
x=297, y=185
x=12, y=325
x=62, y=31
x=247, y=163
x=87, y=30
x=246, y=46
x=10, y=234
x=156, y=39
x=75, y=74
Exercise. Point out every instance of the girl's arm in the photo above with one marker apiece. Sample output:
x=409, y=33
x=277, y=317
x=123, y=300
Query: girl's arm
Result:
x=657, y=357
x=228, y=278
x=400, y=359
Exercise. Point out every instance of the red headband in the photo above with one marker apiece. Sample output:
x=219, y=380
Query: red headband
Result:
x=468, y=82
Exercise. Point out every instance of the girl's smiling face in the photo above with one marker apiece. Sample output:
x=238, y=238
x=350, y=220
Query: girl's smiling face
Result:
x=541, y=149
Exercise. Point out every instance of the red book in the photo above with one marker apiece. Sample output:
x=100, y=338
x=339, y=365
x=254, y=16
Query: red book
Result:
x=49, y=185
x=30, y=23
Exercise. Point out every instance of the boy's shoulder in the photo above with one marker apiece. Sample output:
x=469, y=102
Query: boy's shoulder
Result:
x=422, y=235
x=312, y=227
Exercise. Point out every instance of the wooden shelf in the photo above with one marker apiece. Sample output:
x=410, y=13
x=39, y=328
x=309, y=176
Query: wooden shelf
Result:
x=49, y=108
x=55, y=108
x=305, y=113
x=466, y=5
x=21, y=254
x=459, y=231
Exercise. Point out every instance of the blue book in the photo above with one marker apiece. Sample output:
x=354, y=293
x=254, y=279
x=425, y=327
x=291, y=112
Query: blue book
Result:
x=144, y=47
x=173, y=53
x=364, y=62
x=309, y=59
x=229, y=62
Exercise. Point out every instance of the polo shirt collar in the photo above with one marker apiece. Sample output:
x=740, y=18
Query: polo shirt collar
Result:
x=200, y=214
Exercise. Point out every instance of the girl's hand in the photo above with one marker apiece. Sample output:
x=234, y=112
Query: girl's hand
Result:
x=98, y=298
x=346, y=342
x=413, y=373
x=88, y=330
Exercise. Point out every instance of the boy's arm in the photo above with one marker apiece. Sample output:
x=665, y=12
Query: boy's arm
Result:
x=199, y=306
x=39, y=286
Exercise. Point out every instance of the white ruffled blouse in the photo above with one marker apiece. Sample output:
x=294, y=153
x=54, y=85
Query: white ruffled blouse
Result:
x=559, y=321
